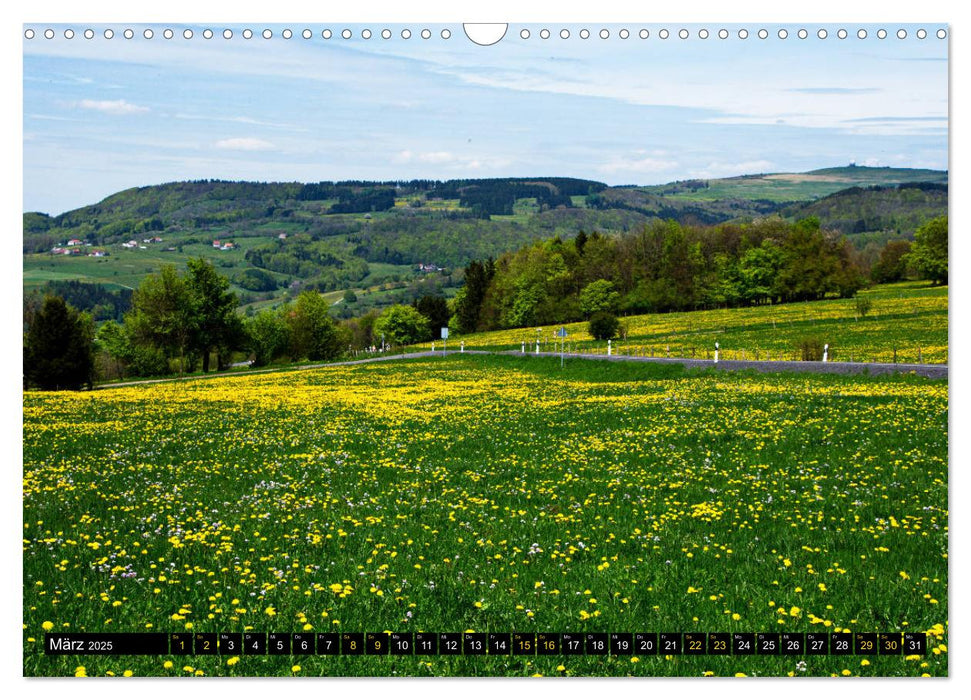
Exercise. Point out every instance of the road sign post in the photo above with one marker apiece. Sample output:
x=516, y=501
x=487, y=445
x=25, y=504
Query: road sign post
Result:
x=444, y=341
x=562, y=334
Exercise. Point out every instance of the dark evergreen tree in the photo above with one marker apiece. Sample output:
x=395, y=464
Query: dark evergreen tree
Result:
x=476, y=283
x=58, y=349
x=580, y=241
x=435, y=309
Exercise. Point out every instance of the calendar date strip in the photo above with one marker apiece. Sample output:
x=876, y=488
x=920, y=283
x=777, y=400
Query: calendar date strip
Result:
x=486, y=643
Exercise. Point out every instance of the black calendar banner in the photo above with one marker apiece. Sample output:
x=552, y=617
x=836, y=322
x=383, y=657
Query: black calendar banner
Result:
x=485, y=644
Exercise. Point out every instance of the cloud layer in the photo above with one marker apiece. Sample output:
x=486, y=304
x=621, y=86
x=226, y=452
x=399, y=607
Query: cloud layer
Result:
x=244, y=144
x=116, y=107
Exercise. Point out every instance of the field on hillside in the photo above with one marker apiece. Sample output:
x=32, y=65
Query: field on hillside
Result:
x=494, y=494
x=907, y=322
x=793, y=187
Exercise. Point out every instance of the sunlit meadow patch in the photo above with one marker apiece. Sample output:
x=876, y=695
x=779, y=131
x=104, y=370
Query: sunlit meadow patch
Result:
x=907, y=322
x=492, y=494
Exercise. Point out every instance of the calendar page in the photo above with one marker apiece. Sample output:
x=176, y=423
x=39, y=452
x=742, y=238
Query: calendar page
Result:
x=485, y=350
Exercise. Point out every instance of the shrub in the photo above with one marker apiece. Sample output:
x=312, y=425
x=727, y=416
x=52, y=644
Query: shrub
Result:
x=863, y=306
x=603, y=325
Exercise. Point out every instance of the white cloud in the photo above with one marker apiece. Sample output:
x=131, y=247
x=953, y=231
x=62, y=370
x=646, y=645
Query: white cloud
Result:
x=244, y=144
x=240, y=120
x=637, y=164
x=450, y=160
x=436, y=157
x=117, y=107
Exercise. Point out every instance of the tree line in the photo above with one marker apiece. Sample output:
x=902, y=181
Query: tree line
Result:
x=180, y=322
x=666, y=266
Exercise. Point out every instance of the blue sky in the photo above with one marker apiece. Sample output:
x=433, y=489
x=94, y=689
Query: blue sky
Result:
x=104, y=115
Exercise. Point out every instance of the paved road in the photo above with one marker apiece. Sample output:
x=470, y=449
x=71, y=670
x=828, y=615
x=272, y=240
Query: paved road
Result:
x=871, y=368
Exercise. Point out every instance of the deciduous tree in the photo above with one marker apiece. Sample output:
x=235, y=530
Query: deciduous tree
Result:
x=164, y=314
x=929, y=252
x=401, y=325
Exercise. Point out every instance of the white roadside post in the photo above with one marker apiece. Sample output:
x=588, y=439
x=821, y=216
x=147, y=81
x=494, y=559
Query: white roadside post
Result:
x=462, y=346
x=716, y=352
x=433, y=346
x=825, y=352
x=608, y=348
x=524, y=347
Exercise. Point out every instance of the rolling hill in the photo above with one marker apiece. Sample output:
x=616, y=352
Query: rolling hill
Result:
x=379, y=237
x=793, y=187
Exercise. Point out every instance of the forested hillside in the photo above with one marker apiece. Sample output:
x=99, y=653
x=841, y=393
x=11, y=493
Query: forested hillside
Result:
x=895, y=210
x=381, y=239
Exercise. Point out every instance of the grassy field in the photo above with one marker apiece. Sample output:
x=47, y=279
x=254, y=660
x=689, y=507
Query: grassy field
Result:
x=909, y=319
x=128, y=267
x=489, y=494
x=792, y=187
